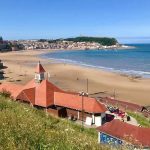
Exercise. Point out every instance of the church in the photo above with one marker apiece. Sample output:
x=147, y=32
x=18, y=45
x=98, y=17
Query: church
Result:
x=43, y=94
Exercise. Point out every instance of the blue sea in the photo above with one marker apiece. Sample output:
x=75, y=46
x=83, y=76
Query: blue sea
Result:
x=129, y=61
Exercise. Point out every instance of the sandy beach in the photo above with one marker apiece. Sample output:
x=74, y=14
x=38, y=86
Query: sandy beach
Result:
x=21, y=66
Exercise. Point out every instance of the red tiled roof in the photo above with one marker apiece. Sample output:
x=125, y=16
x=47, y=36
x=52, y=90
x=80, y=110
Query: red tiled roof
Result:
x=30, y=84
x=27, y=95
x=41, y=94
x=90, y=105
x=123, y=130
x=39, y=68
x=14, y=89
x=45, y=93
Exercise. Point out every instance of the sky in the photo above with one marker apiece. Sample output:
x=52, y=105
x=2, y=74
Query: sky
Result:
x=126, y=20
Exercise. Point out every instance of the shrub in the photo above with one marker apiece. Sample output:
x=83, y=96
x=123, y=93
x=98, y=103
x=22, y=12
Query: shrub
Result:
x=143, y=121
x=5, y=93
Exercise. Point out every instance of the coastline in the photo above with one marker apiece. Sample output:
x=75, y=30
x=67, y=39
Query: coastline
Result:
x=73, y=77
x=123, y=72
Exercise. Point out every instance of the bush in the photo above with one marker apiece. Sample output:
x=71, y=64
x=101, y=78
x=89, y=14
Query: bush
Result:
x=102, y=40
x=5, y=93
x=143, y=121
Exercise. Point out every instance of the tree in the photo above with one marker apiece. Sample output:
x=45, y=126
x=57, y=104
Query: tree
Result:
x=102, y=40
x=1, y=39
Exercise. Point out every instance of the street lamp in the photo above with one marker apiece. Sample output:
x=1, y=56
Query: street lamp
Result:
x=83, y=94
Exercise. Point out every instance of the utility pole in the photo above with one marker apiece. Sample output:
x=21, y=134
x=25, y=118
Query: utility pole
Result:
x=82, y=94
x=114, y=93
x=82, y=113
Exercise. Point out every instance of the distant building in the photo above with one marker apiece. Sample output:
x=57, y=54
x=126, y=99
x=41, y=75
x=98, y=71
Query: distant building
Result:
x=41, y=93
x=118, y=133
x=4, y=46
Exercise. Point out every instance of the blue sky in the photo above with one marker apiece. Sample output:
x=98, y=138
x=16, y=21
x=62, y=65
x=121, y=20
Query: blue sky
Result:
x=32, y=19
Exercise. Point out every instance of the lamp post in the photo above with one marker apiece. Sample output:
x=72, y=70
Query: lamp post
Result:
x=87, y=85
x=83, y=94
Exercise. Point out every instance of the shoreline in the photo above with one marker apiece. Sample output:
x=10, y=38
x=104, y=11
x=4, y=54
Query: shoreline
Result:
x=73, y=77
x=123, y=72
x=101, y=68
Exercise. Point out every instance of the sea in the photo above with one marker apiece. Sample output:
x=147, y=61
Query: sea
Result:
x=134, y=61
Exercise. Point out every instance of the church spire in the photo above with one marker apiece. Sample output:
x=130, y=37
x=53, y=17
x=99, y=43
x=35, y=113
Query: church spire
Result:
x=39, y=68
x=39, y=72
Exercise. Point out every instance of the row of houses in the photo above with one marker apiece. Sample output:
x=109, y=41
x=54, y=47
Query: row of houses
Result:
x=42, y=94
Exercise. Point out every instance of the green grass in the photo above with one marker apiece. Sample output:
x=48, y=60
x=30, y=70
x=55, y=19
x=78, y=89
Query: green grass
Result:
x=143, y=121
x=25, y=128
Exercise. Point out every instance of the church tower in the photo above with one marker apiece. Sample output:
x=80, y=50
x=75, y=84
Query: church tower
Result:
x=39, y=73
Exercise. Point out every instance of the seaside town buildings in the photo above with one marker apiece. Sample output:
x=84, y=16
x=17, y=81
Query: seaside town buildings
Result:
x=15, y=45
x=36, y=44
x=41, y=93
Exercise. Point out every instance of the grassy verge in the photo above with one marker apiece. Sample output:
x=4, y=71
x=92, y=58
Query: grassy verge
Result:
x=143, y=121
x=23, y=128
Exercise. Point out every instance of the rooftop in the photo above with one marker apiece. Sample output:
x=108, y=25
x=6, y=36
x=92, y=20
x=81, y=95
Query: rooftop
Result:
x=90, y=105
x=14, y=89
x=124, y=131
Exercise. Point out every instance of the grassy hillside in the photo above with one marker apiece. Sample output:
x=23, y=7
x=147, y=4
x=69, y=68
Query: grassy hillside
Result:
x=143, y=121
x=101, y=40
x=23, y=127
